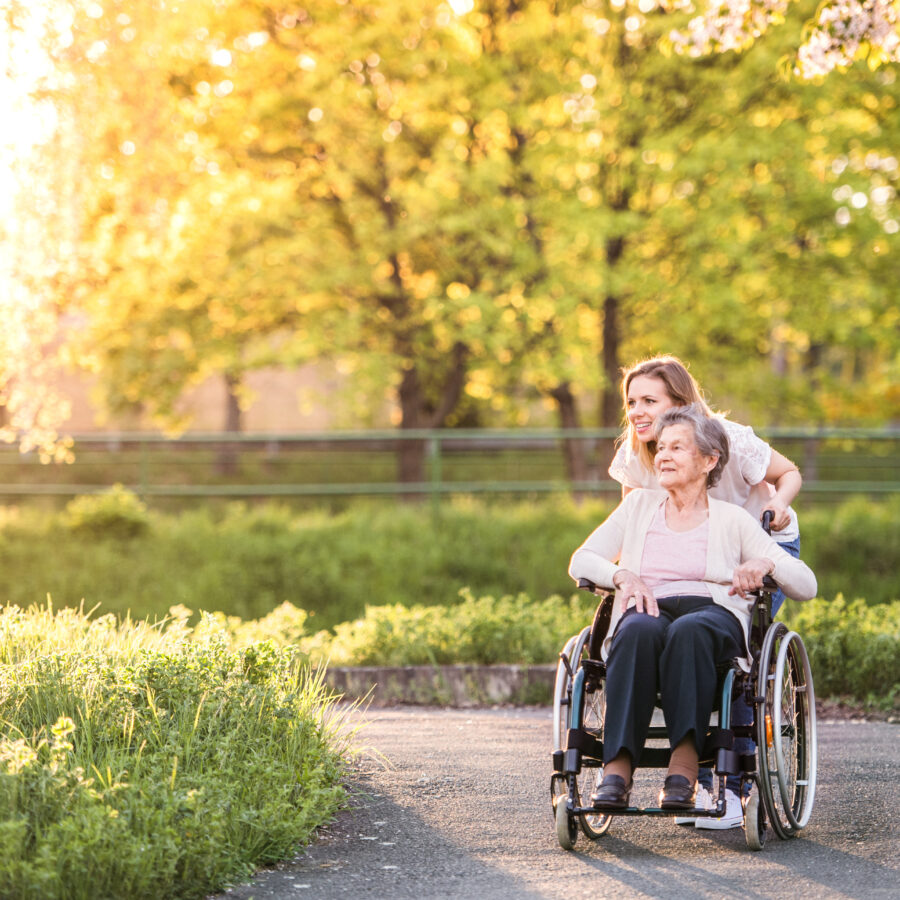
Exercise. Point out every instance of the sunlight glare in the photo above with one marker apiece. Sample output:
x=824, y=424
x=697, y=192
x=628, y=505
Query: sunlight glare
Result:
x=461, y=7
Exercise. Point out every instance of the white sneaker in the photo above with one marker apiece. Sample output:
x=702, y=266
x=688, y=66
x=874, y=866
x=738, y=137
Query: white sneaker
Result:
x=733, y=818
x=703, y=800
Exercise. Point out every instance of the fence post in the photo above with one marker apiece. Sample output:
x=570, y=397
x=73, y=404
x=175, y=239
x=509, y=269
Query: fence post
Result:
x=434, y=459
x=143, y=466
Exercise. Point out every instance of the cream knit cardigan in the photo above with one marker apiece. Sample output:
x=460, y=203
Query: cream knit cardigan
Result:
x=734, y=536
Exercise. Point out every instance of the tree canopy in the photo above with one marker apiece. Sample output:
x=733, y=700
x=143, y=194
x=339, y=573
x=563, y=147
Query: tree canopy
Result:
x=470, y=208
x=839, y=33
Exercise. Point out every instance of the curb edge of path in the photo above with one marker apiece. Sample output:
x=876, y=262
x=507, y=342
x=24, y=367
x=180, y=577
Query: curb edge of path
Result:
x=473, y=686
x=459, y=686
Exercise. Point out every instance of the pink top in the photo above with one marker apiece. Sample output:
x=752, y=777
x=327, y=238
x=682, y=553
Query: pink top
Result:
x=674, y=562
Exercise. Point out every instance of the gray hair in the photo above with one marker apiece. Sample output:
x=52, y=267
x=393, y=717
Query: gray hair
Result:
x=709, y=434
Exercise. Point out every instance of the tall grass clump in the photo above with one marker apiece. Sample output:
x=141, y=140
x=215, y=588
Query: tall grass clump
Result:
x=141, y=761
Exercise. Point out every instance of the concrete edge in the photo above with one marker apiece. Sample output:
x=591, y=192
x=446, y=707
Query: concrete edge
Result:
x=457, y=686
x=472, y=686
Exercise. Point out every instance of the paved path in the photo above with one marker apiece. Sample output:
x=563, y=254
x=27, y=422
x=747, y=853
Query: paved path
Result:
x=459, y=808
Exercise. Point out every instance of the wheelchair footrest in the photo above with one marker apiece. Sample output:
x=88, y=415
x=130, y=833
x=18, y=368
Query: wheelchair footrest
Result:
x=646, y=811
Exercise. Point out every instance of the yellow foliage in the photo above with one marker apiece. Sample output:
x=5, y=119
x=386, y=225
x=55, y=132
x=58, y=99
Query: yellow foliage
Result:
x=456, y=290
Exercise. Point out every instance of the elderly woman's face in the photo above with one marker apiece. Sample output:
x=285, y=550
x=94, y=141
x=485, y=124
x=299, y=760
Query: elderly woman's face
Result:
x=678, y=462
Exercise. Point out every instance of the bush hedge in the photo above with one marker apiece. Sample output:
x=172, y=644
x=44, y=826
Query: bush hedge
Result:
x=250, y=560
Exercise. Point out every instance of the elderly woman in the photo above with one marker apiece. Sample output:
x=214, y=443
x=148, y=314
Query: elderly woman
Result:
x=686, y=563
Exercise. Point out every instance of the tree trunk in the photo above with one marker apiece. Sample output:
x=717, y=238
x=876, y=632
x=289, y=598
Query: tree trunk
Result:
x=414, y=413
x=574, y=449
x=227, y=460
x=610, y=403
x=611, y=397
x=411, y=455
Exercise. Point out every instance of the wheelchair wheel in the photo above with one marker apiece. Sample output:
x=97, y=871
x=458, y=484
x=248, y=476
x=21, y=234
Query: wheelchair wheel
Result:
x=573, y=651
x=566, y=827
x=786, y=731
x=594, y=825
x=562, y=691
x=754, y=823
x=794, y=728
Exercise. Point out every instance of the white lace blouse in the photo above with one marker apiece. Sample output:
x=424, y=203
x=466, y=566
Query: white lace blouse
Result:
x=742, y=482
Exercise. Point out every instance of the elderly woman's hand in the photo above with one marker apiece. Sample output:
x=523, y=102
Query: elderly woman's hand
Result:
x=748, y=576
x=629, y=586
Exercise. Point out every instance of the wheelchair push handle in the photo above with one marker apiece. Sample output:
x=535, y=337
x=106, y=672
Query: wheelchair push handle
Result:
x=768, y=581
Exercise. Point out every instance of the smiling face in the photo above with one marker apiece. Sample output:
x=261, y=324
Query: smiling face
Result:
x=647, y=397
x=678, y=462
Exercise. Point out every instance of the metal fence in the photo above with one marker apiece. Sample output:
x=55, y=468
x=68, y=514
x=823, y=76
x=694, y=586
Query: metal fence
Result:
x=343, y=464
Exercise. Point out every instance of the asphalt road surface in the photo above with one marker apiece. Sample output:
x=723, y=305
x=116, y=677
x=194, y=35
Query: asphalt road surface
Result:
x=454, y=804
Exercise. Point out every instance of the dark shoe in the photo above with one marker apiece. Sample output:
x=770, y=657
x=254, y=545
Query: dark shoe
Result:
x=677, y=793
x=612, y=793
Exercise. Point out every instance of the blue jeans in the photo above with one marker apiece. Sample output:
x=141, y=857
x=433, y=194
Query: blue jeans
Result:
x=741, y=713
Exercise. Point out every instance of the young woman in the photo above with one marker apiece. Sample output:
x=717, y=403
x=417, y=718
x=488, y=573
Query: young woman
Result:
x=756, y=477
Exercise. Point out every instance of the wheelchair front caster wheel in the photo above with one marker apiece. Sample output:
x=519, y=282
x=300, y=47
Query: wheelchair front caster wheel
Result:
x=566, y=826
x=754, y=823
x=595, y=825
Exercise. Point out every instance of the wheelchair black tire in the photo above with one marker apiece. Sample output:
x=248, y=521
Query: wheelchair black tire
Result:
x=786, y=731
x=566, y=827
x=597, y=824
x=562, y=695
x=795, y=739
x=754, y=823
x=562, y=691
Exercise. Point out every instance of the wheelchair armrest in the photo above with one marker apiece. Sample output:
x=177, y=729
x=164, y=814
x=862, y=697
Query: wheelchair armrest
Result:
x=585, y=584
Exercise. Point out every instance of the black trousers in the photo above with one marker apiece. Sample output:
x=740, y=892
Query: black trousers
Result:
x=674, y=655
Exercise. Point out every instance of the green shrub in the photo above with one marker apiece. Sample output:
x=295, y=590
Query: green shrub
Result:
x=854, y=548
x=485, y=630
x=116, y=513
x=854, y=648
x=254, y=559
x=150, y=762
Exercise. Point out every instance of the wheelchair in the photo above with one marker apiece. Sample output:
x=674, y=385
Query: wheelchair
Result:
x=779, y=690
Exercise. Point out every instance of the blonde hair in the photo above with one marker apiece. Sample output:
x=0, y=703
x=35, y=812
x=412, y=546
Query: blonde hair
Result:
x=681, y=387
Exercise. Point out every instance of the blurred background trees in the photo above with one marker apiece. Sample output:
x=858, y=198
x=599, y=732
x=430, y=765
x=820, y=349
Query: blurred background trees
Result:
x=472, y=208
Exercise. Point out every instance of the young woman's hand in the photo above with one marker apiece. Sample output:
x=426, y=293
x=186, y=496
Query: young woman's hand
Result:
x=781, y=518
x=748, y=576
x=630, y=587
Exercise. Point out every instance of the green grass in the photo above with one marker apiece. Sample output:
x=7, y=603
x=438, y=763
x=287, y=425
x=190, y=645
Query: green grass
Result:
x=142, y=761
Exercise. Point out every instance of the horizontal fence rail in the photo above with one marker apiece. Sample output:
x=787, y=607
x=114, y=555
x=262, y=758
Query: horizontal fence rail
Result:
x=834, y=461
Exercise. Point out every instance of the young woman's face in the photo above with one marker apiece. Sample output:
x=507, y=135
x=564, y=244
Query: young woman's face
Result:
x=647, y=398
